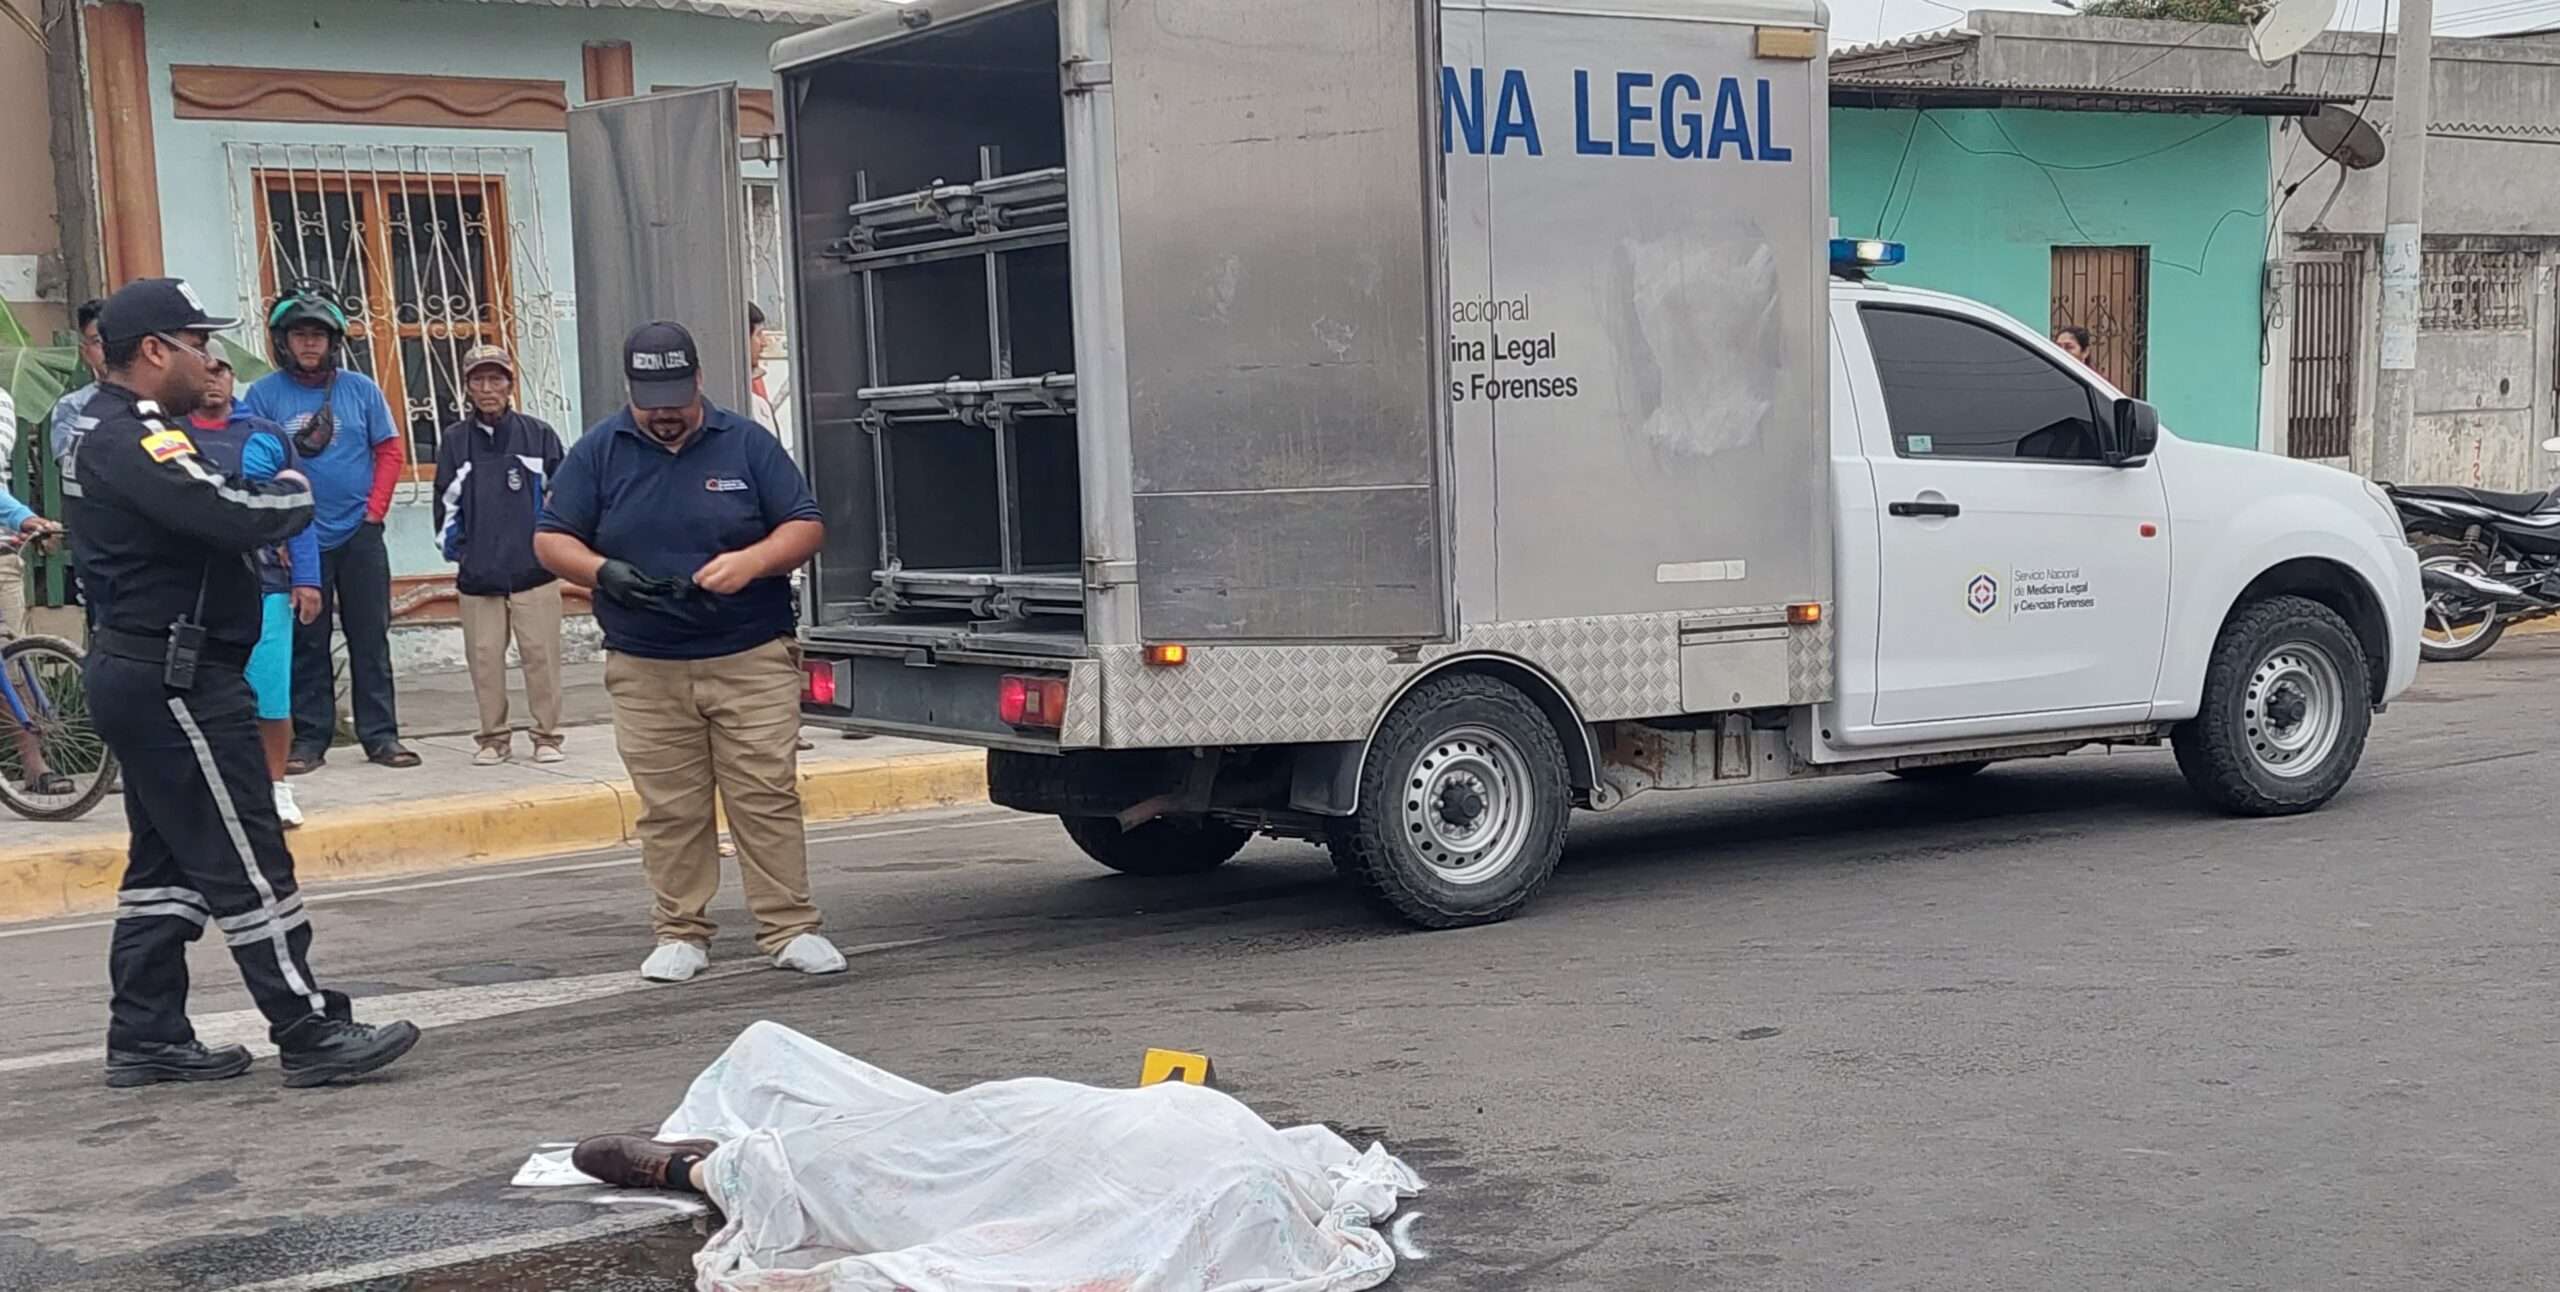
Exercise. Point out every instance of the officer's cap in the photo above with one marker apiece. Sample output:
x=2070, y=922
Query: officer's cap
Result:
x=147, y=306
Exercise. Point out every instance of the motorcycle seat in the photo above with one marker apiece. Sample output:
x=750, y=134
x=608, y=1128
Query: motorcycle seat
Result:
x=2523, y=504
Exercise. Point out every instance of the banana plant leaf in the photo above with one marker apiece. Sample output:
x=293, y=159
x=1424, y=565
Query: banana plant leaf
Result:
x=38, y=375
x=35, y=375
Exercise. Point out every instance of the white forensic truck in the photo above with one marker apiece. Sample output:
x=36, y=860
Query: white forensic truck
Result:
x=1399, y=424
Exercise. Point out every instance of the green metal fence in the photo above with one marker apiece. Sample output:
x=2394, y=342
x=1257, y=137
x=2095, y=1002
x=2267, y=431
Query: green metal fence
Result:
x=38, y=484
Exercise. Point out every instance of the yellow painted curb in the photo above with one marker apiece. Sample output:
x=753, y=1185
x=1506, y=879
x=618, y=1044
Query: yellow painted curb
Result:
x=80, y=878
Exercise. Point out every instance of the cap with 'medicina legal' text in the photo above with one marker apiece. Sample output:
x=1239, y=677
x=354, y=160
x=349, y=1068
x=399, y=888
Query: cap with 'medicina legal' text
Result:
x=662, y=366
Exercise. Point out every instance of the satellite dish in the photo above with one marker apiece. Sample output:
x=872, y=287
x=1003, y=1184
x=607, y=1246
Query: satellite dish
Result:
x=2551, y=445
x=2339, y=133
x=2288, y=26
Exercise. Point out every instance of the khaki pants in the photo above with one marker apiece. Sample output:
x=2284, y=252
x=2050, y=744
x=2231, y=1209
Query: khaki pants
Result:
x=13, y=594
x=686, y=727
x=533, y=619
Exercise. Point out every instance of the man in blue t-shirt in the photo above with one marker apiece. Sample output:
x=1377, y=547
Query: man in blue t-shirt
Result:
x=353, y=451
x=687, y=521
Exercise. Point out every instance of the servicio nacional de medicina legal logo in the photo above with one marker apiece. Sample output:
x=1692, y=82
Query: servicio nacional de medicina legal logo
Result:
x=1982, y=596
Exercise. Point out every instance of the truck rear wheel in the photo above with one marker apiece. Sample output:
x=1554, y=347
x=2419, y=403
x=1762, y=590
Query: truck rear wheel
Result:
x=1163, y=847
x=2287, y=704
x=1463, y=802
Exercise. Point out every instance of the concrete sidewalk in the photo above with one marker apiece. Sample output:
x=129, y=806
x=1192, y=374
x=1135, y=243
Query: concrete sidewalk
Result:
x=366, y=820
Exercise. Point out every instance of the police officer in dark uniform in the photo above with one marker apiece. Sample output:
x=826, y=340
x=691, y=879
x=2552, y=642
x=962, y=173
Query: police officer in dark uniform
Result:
x=164, y=544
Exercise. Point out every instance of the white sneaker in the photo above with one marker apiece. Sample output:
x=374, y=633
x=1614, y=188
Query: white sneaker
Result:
x=287, y=810
x=810, y=954
x=675, y=962
x=549, y=754
x=490, y=756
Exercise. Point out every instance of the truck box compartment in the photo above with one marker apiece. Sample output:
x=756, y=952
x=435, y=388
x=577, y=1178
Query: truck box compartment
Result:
x=931, y=206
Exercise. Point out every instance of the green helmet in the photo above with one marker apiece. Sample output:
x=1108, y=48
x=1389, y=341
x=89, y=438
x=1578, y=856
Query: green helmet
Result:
x=307, y=301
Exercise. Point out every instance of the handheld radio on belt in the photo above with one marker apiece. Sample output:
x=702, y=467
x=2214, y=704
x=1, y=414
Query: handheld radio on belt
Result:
x=186, y=642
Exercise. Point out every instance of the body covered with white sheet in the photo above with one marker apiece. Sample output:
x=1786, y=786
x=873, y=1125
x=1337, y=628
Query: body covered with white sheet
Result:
x=838, y=1176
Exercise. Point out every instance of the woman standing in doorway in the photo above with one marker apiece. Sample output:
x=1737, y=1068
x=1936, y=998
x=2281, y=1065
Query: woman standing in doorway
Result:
x=2076, y=342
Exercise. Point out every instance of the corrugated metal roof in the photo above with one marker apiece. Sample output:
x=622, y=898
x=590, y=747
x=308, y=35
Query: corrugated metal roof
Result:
x=798, y=13
x=1951, y=38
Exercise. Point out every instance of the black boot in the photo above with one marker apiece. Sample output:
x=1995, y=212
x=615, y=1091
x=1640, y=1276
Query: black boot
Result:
x=152, y=1062
x=320, y=1049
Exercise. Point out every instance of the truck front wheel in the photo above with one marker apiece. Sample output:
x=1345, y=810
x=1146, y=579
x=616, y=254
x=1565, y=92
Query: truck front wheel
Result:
x=1163, y=847
x=2287, y=704
x=1463, y=801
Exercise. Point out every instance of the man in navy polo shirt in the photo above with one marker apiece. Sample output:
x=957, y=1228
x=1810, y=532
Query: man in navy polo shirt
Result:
x=687, y=521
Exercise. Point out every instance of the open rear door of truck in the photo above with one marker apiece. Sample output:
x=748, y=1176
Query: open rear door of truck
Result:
x=1278, y=169
x=657, y=226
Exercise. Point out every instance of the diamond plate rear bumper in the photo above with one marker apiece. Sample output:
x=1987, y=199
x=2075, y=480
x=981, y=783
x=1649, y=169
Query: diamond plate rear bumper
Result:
x=1610, y=668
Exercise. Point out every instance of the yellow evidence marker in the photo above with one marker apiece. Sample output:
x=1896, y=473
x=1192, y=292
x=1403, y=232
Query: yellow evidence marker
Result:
x=1175, y=1065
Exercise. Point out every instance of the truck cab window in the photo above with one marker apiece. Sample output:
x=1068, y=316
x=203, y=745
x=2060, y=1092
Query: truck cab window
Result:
x=1956, y=389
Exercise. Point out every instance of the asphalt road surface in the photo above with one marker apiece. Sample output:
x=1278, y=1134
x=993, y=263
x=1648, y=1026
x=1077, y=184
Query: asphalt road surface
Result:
x=2055, y=1028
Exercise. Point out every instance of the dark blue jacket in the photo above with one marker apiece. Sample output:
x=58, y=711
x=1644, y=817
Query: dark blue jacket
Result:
x=254, y=448
x=491, y=481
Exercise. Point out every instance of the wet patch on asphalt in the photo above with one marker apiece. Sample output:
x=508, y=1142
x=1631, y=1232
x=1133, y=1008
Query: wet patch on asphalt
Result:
x=658, y=1259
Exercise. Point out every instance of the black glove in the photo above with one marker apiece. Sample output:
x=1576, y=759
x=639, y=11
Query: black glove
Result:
x=630, y=589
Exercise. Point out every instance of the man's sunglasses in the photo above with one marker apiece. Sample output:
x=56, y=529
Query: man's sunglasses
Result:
x=205, y=355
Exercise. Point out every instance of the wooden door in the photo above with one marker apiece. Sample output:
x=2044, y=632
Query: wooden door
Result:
x=2108, y=291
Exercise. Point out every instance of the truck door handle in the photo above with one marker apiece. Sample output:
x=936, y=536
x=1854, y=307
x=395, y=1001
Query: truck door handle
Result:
x=1922, y=509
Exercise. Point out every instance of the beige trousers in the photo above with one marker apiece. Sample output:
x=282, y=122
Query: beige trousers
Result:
x=731, y=724
x=533, y=620
x=13, y=594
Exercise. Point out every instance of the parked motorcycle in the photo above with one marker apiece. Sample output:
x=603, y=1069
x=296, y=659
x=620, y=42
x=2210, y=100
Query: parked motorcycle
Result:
x=2487, y=560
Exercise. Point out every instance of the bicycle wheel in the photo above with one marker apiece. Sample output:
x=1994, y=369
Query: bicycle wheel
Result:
x=45, y=675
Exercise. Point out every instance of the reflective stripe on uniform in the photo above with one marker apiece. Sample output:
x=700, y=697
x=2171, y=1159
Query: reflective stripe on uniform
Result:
x=152, y=903
x=247, y=920
x=293, y=979
x=154, y=910
x=140, y=896
x=263, y=931
x=195, y=469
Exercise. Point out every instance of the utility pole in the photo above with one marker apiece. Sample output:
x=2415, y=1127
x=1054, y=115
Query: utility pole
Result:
x=2404, y=204
x=75, y=179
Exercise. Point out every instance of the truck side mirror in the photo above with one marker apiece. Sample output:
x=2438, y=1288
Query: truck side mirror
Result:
x=2135, y=434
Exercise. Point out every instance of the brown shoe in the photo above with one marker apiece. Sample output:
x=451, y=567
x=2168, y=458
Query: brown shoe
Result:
x=636, y=1161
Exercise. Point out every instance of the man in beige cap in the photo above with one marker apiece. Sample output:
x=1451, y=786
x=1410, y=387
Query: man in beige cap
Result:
x=492, y=469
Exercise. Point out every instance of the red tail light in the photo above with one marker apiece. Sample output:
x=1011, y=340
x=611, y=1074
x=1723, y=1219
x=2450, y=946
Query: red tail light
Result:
x=1032, y=701
x=819, y=686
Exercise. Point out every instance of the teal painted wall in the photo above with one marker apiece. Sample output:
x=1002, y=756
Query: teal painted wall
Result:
x=204, y=202
x=1981, y=198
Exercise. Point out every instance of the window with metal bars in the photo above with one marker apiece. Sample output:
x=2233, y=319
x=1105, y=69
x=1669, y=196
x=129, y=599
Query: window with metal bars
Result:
x=2475, y=291
x=433, y=249
x=420, y=263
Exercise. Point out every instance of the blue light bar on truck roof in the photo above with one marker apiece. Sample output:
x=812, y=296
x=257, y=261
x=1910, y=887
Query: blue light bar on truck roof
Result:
x=1864, y=253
